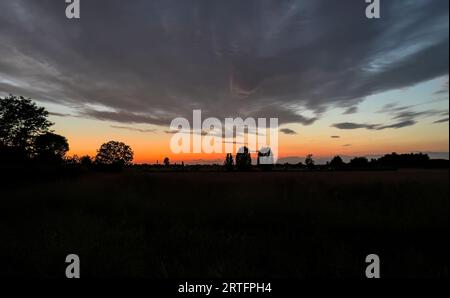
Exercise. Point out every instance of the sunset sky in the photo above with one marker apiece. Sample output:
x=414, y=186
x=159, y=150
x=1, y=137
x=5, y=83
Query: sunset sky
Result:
x=338, y=82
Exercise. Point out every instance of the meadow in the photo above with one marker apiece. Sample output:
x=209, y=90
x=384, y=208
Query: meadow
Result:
x=227, y=224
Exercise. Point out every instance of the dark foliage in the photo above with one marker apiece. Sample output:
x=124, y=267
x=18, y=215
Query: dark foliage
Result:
x=243, y=159
x=21, y=121
x=114, y=155
x=404, y=160
x=86, y=161
x=359, y=162
x=337, y=163
x=50, y=148
x=309, y=161
x=166, y=162
x=229, y=162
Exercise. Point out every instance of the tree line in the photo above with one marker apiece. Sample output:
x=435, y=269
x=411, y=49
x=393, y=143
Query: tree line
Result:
x=26, y=137
x=388, y=161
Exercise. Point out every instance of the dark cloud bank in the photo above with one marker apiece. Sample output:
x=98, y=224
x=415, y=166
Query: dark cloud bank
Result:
x=152, y=61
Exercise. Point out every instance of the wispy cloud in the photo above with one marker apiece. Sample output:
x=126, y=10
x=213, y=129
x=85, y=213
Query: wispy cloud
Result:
x=351, y=110
x=441, y=120
x=288, y=131
x=202, y=133
x=444, y=90
x=406, y=115
x=61, y=114
x=392, y=108
x=416, y=114
x=133, y=128
x=351, y=125
x=401, y=124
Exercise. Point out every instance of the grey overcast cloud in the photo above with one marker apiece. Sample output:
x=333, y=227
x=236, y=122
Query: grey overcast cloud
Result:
x=151, y=61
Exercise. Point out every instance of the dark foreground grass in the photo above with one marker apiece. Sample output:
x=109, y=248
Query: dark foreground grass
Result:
x=310, y=224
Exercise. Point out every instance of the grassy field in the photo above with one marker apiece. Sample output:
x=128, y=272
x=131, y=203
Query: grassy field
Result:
x=281, y=224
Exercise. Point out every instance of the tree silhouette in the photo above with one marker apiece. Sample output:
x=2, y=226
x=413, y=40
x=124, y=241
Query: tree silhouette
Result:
x=166, y=162
x=86, y=161
x=337, y=162
x=114, y=153
x=50, y=147
x=309, y=161
x=21, y=121
x=72, y=160
x=404, y=160
x=243, y=159
x=359, y=162
x=229, y=162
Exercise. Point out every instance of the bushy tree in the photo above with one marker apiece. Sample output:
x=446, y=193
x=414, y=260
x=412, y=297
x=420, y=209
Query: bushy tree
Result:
x=166, y=162
x=86, y=161
x=50, y=147
x=73, y=160
x=21, y=121
x=229, y=162
x=359, y=162
x=337, y=162
x=309, y=161
x=115, y=154
x=243, y=159
x=404, y=160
